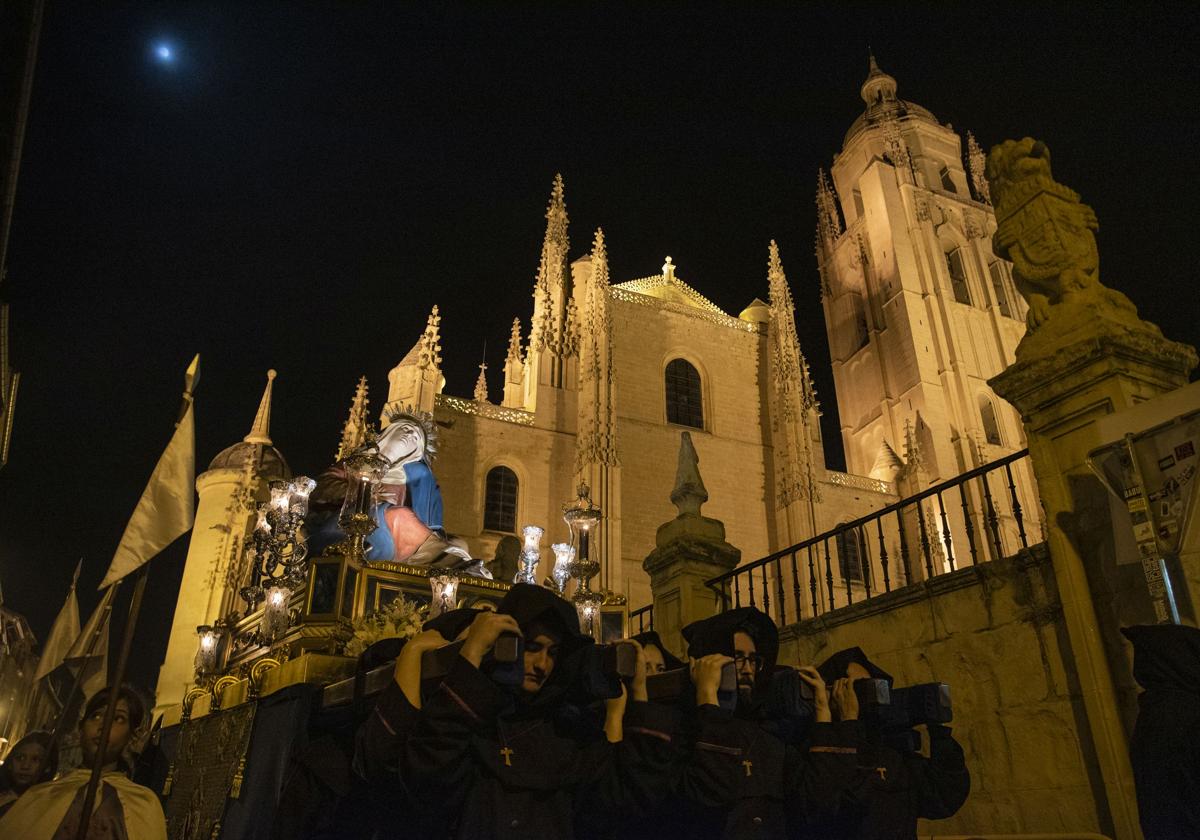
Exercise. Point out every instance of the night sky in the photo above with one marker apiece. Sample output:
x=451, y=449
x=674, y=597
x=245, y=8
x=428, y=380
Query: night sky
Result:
x=299, y=183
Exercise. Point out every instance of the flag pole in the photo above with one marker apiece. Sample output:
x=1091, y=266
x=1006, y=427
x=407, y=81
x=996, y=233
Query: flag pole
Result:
x=87, y=654
x=135, y=607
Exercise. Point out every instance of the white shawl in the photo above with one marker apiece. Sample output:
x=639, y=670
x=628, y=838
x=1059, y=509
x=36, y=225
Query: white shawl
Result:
x=39, y=812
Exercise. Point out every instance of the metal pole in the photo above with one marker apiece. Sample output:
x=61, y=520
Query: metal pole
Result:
x=87, y=654
x=135, y=607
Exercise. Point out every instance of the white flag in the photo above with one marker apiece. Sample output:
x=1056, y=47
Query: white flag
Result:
x=63, y=633
x=166, y=510
x=91, y=657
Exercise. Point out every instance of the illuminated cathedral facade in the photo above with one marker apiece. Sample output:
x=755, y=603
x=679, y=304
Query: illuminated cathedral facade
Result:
x=604, y=373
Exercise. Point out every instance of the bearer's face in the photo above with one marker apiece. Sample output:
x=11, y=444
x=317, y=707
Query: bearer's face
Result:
x=541, y=652
x=118, y=737
x=745, y=657
x=654, y=660
x=27, y=762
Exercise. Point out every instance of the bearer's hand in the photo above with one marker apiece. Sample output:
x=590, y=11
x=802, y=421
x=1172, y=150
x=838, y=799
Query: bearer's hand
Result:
x=637, y=685
x=485, y=629
x=706, y=676
x=845, y=699
x=408, y=664
x=614, y=716
x=417, y=645
x=820, y=696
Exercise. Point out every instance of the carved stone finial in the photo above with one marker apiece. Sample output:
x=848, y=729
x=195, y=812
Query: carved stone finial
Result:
x=481, y=392
x=429, y=347
x=829, y=225
x=668, y=270
x=549, y=288
x=689, y=493
x=977, y=163
x=1047, y=233
x=260, y=431
x=879, y=88
x=356, y=428
x=514, y=342
x=690, y=525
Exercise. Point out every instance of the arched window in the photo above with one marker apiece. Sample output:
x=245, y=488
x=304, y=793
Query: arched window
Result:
x=854, y=565
x=998, y=288
x=947, y=180
x=685, y=405
x=991, y=427
x=958, y=276
x=500, y=501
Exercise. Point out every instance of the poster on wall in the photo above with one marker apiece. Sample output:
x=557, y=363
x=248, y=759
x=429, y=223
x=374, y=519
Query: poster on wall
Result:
x=1149, y=467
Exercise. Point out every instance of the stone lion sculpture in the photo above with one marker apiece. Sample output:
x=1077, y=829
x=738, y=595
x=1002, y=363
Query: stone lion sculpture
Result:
x=1048, y=235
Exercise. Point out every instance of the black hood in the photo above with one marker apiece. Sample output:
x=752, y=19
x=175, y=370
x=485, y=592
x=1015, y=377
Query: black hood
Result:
x=715, y=635
x=652, y=638
x=834, y=668
x=1165, y=656
x=528, y=603
x=452, y=622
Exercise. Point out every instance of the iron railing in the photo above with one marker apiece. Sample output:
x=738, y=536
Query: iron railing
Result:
x=644, y=618
x=958, y=522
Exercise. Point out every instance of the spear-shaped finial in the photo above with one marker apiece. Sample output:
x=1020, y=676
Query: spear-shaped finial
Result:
x=260, y=432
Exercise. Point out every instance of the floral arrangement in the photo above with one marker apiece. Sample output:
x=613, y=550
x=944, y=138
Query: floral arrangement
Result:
x=400, y=619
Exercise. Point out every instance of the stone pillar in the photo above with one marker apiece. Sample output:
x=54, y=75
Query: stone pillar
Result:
x=689, y=550
x=1086, y=355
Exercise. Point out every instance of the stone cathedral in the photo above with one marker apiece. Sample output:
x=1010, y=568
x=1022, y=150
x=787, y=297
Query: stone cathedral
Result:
x=604, y=375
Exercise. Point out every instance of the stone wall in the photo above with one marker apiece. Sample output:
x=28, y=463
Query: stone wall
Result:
x=995, y=634
x=731, y=446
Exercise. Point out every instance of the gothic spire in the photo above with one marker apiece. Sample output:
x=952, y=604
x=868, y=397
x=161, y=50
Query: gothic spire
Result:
x=417, y=380
x=514, y=342
x=879, y=88
x=596, y=442
x=355, y=430
x=598, y=288
x=779, y=293
x=551, y=286
x=914, y=457
x=260, y=432
x=481, y=394
x=785, y=348
x=793, y=399
x=976, y=163
x=428, y=348
x=829, y=225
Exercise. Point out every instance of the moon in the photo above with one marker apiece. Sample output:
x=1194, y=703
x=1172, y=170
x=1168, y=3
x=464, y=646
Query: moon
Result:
x=164, y=52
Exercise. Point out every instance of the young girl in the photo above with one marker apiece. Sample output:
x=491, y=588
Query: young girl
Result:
x=28, y=763
x=122, y=809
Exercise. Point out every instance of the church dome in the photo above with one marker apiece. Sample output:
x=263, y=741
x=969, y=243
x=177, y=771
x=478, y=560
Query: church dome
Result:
x=879, y=94
x=256, y=447
x=271, y=465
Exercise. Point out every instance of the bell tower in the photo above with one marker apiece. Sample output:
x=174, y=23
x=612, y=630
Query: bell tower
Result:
x=919, y=311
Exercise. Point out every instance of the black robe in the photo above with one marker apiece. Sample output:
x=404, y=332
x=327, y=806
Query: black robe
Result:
x=891, y=790
x=497, y=765
x=738, y=779
x=1165, y=748
x=380, y=740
